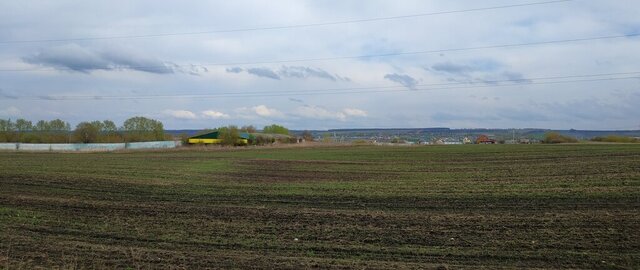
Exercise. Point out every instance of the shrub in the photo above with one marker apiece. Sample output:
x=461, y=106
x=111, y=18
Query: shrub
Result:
x=361, y=142
x=555, y=137
x=86, y=132
x=307, y=136
x=263, y=140
x=616, y=139
x=326, y=138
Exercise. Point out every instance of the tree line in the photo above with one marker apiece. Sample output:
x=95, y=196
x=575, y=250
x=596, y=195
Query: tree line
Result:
x=134, y=129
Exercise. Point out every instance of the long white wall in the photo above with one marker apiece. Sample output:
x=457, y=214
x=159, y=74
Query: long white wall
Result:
x=88, y=146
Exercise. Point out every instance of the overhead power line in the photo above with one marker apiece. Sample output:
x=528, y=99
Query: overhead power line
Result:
x=512, y=45
x=426, y=51
x=357, y=90
x=283, y=26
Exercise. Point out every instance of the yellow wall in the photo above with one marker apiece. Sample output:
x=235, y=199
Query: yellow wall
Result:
x=207, y=141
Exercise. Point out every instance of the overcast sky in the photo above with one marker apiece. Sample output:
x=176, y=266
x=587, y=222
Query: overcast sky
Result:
x=174, y=61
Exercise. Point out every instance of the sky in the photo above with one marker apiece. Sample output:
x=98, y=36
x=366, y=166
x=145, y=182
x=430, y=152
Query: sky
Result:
x=324, y=64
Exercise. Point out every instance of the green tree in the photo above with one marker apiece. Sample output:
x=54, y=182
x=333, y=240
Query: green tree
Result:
x=42, y=126
x=229, y=135
x=23, y=125
x=41, y=132
x=143, y=129
x=275, y=129
x=22, y=128
x=59, y=125
x=7, y=130
x=6, y=125
x=109, y=126
x=109, y=132
x=59, y=131
x=99, y=125
x=86, y=132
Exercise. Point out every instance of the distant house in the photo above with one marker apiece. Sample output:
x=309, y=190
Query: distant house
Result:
x=447, y=141
x=524, y=141
x=483, y=139
x=213, y=138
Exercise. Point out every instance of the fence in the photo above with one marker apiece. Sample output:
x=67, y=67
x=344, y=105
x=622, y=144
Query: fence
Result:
x=88, y=147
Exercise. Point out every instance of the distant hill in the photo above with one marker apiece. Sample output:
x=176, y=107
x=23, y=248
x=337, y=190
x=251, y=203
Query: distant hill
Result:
x=422, y=133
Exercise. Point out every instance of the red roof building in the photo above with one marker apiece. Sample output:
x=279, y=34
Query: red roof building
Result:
x=483, y=139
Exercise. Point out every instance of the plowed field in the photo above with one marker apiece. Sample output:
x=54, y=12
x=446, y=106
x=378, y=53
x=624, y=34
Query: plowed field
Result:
x=449, y=207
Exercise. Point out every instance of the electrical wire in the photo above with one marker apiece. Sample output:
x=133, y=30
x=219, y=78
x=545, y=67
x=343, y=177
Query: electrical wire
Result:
x=354, y=90
x=512, y=45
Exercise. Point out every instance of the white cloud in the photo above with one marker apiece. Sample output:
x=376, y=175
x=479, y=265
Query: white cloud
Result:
x=355, y=112
x=214, y=114
x=265, y=111
x=259, y=111
x=317, y=112
x=181, y=114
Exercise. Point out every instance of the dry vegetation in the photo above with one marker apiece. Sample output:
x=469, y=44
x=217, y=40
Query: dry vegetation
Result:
x=513, y=206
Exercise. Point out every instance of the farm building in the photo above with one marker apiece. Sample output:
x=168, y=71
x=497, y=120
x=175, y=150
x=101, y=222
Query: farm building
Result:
x=214, y=138
x=483, y=139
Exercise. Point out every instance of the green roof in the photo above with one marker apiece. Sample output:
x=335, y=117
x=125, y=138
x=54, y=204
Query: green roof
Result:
x=210, y=135
x=215, y=134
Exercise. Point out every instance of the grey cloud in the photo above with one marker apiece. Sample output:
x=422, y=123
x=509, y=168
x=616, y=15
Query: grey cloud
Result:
x=46, y=97
x=122, y=59
x=452, y=68
x=81, y=59
x=70, y=56
x=403, y=79
x=234, y=70
x=510, y=76
x=263, y=72
x=191, y=69
x=483, y=71
x=477, y=65
x=306, y=72
x=296, y=100
x=515, y=76
x=299, y=72
x=303, y=72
